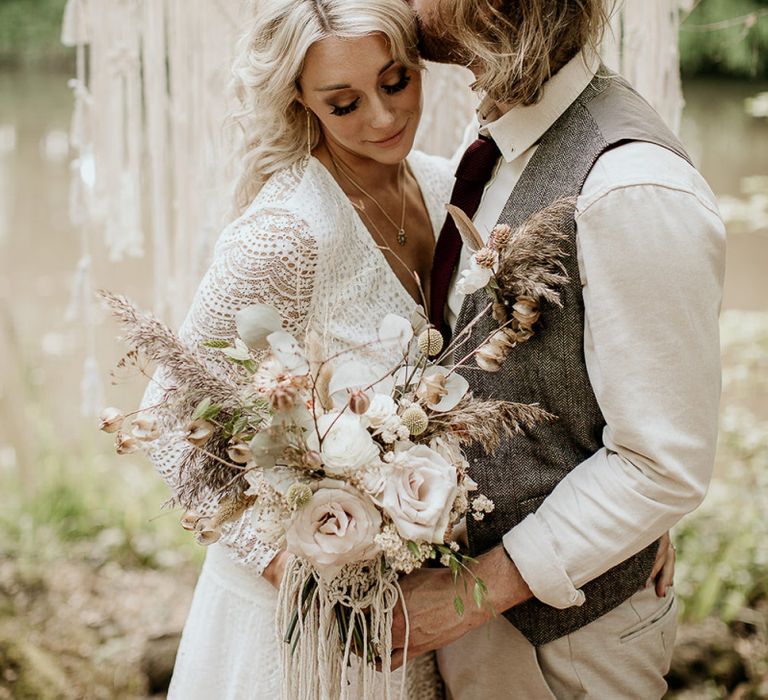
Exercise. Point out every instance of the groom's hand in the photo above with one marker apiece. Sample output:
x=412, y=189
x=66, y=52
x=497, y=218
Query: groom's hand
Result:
x=433, y=620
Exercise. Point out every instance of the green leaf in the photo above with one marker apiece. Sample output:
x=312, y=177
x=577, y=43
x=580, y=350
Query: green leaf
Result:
x=240, y=425
x=202, y=407
x=458, y=605
x=413, y=548
x=478, y=593
x=219, y=344
x=454, y=566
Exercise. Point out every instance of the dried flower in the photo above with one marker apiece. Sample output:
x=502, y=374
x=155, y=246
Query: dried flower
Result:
x=500, y=235
x=298, y=495
x=283, y=397
x=189, y=520
x=490, y=357
x=526, y=311
x=205, y=531
x=430, y=342
x=312, y=460
x=481, y=505
x=238, y=451
x=415, y=419
x=111, y=420
x=487, y=257
x=500, y=313
x=126, y=444
x=199, y=432
x=145, y=428
x=359, y=402
x=432, y=388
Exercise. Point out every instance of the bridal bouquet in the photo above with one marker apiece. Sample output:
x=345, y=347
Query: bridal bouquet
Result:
x=355, y=468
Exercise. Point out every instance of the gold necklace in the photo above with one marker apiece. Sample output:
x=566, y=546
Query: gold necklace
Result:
x=402, y=236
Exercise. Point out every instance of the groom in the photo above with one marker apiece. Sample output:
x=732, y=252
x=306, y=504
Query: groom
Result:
x=629, y=364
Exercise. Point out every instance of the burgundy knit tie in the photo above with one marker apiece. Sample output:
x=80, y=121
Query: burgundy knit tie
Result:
x=474, y=171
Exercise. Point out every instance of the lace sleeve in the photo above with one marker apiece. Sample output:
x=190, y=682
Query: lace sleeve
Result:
x=265, y=257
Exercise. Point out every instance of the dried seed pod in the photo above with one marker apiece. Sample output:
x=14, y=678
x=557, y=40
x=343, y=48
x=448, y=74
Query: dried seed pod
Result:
x=415, y=419
x=500, y=314
x=239, y=452
x=145, y=428
x=189, y=520
x=126, y=444
x=111, y=420
x=432, y=388
x=199, y=432
x=359, y=402
x=430, y=342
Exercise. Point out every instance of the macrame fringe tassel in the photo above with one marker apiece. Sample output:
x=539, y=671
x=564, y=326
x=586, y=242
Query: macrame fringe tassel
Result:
x=322, y=665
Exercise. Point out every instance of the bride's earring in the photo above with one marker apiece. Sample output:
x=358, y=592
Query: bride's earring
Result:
x=309, y=133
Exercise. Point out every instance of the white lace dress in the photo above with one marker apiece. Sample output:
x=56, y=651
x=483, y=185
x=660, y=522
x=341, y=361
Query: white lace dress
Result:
x=301, y=247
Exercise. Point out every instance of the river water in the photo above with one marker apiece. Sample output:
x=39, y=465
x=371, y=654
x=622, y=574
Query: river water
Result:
x=41, y=351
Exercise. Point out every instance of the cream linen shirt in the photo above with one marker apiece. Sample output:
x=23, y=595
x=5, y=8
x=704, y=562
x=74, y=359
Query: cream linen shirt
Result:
x=651, y=250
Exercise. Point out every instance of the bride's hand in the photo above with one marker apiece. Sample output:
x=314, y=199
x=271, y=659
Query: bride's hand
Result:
x=663, y=572
x=274, y=572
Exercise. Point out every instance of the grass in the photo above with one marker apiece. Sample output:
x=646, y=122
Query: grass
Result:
x=30, y=32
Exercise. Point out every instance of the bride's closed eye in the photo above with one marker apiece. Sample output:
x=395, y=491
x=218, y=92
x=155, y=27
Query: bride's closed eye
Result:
x=401, y=84
x=391, y=89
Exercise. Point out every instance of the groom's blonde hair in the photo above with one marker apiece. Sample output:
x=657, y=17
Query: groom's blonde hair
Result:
x=520, y=44
x=270, y=59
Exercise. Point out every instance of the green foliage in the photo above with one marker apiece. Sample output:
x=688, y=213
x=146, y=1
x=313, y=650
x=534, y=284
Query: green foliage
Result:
x=723, y=546
x=30, y=32
x=738, y=50
x=91, y=508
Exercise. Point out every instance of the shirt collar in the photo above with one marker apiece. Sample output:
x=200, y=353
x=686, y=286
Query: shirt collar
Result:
x=520, y=128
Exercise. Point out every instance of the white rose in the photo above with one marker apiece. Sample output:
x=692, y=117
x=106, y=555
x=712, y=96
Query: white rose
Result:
x=418, y=494
x=476, y=277
x=346, y=445
x=337, y=527
x=381, y=409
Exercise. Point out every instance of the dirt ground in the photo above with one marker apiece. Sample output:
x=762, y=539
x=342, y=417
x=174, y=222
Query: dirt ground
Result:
x=70, y=629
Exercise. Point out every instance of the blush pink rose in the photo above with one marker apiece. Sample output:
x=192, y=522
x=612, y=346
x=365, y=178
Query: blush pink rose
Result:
x=337, y=527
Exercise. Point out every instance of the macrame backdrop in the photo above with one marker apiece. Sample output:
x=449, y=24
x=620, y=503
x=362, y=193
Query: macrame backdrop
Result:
x=152, y=171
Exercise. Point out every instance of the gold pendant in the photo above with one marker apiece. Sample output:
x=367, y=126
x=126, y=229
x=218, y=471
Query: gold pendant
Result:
x=402, y=239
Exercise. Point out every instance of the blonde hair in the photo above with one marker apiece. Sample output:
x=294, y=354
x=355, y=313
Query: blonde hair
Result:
x=520, y=44
x=269, y=62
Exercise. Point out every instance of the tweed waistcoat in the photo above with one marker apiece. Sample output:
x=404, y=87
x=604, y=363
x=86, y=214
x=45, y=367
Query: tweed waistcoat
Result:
x=550, y=368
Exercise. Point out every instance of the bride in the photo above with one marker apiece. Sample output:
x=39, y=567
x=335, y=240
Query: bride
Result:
x=336, y=226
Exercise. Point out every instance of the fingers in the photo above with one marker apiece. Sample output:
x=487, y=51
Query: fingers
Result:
x=397, y=659
x=667, y=575
x=662, y=552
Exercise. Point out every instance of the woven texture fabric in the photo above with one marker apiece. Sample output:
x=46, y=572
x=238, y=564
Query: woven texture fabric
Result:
x=550, y=368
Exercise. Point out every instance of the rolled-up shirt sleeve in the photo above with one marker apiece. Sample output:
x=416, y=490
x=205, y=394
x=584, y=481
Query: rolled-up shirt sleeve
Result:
x=651, y=257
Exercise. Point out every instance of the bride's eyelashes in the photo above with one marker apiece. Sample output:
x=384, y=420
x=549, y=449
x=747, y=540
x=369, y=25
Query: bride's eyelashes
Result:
x=341, y=111
x=399, y=86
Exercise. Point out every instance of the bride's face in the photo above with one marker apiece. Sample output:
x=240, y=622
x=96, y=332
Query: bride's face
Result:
x=368, y=104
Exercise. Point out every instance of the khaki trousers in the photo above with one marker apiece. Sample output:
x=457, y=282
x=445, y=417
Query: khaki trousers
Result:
x=623, y=654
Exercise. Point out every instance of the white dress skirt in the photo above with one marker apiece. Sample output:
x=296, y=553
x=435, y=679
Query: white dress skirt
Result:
x=230, y=650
